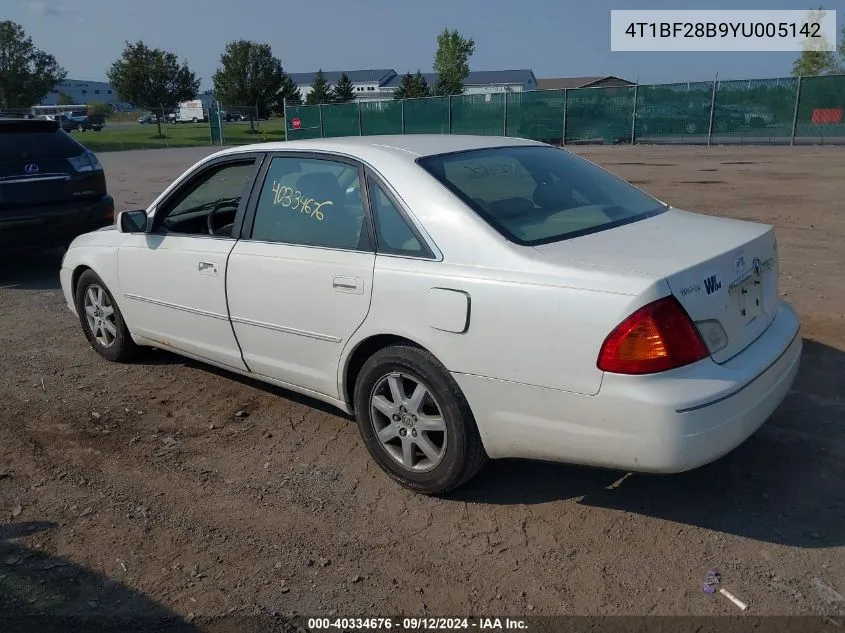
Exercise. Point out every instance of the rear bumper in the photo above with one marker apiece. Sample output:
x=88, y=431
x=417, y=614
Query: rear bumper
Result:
x=53, y=225
x=664, y=423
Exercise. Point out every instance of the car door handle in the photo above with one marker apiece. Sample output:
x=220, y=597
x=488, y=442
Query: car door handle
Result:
x=347, y=284
x=207, y=268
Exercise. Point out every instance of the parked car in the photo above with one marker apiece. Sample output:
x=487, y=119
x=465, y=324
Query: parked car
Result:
x=671, y=119
x=462, y=296
x=674, y=119
x=81, y=122
x=148, y=118
x=752, y=115
x=70, y=120
x=51, y=187
x=94, y=122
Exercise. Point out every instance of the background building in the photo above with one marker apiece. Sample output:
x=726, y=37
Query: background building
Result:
x=379, y=83
x=85, y=92
x=368, y=84
x=561, y=83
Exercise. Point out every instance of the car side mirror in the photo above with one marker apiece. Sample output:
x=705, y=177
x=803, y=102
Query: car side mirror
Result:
x=132, y=221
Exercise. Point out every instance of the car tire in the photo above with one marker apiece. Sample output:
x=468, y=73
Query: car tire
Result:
x=194, y=120
x=111, y=340
x=429, y=444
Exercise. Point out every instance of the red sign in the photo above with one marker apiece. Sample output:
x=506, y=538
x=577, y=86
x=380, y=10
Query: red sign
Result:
x=296, y=123
x=830, y=116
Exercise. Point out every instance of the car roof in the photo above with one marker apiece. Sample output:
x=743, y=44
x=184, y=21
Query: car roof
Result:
x=22, y=125
x=408, y=146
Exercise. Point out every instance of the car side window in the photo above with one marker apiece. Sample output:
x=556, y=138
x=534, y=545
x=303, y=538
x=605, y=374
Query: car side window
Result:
x=208, y=205
x=310, y=202
x=393, y=234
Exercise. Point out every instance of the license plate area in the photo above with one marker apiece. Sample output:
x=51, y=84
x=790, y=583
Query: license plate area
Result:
x=749, y=297
x=747, y=292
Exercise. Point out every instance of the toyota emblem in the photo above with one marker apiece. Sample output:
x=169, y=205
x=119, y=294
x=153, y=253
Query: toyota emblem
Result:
x=31, y=168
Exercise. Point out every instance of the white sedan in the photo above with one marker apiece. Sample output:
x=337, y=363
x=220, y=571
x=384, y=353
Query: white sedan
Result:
x=464, y=297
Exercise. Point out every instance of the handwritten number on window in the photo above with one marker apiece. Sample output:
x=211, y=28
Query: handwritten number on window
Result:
x=289, y=197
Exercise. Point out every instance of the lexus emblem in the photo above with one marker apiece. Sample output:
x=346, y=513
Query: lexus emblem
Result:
x=31, y=168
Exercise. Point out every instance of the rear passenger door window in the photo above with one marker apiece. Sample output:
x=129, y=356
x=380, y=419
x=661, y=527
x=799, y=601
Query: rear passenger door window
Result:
x=311, y=202
x=394, y=234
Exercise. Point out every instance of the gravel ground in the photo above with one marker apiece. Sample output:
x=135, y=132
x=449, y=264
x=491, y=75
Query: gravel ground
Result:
x=130, y=490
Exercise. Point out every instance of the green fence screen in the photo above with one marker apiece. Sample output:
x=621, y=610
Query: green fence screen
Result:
x=479, y=114
x=599, y=114
x=427, y=116
x=303, y=122
x=680, y=111
x=341, y=120
x=380, y=117
x=536, y=115
x=756, y=109
x=821, y=108
x=779, y=110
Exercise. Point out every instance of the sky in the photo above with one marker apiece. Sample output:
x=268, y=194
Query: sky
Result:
x=554, y=38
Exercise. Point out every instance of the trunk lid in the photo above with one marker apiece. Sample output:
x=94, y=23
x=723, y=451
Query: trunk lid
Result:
x=35, y=170
x=717, y=268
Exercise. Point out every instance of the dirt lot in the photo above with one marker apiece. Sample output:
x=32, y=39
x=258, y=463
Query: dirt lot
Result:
x=128, y=489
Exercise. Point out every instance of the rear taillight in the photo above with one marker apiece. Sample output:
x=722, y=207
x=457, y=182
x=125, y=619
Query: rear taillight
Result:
x=655, y=338
x=86, y=161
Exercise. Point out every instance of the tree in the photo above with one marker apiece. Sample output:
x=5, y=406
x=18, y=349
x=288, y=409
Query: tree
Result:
x=289, y=92
x=344, y=91
x=406, y=87
x=100, y=109
x=421, y=85
x=65, y=99
x=451, y=62
x=841, y=50
x=813, y=63
x=814, y=59
x=412, y=87
x=26, y=73
x=152, y=79
x=249, y=75
x=320, y=92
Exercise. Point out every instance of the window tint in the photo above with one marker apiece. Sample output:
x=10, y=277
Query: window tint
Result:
x=392, y=231
x=218, y=193
x=539, y=194
x=36, y=139
x=312, y=202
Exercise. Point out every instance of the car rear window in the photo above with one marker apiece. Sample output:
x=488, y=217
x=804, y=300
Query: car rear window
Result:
x=536, y=194
x=36, y=138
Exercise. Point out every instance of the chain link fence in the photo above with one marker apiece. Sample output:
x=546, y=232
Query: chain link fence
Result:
x=787, y=110
x=104, y=129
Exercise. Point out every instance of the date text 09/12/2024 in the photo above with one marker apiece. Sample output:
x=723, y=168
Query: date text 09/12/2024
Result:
x=418, y=624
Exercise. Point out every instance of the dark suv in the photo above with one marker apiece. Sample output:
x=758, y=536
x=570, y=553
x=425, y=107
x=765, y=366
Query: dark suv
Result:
x=51, y=187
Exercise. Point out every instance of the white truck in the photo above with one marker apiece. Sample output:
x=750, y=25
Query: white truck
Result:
x=190, y=112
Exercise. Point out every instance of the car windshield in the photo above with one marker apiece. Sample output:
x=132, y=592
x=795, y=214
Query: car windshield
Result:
x=539, y=194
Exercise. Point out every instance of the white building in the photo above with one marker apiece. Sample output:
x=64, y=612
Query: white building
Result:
x=82, y=91
x=367, y=84
x=485, y=81
x=379, y=84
